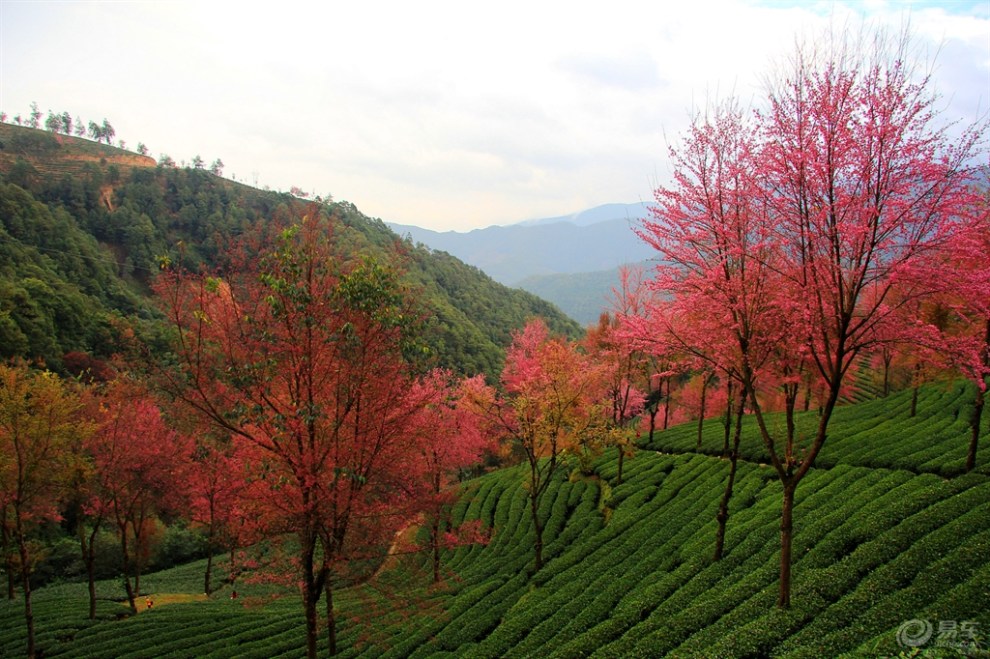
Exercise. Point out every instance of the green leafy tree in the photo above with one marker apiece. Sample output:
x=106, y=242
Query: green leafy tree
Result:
x=39, y=424
x=35, y=116
x=107, y=131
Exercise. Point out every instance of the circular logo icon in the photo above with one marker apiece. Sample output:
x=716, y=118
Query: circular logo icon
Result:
x=914, y=633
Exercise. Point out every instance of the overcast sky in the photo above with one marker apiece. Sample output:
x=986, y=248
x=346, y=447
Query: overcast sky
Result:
x=445, y=115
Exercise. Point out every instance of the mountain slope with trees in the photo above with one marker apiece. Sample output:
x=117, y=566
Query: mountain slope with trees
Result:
x=86, y=226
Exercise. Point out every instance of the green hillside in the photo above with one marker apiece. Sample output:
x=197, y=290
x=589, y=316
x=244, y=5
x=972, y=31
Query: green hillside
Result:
x=83, y=227
x=583, y=295
x=881, y=538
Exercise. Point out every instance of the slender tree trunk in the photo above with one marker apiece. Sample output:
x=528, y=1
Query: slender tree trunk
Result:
x=666, y=407
x=138, y=550
x=723, y=509
x=786, y=537
x=701, y=410
x=914, y=392
x=435, y=546
x=207, y=585
x=331, y=619
x=126, y=557
x=309, y=610
x=790, y=470
x=538, y=529
x=622, y=457
x=974, y=437
x=887, y=358
x=653, y=420
x=790, y=401
x=435, y=530
x=25, y=570
x=978, y=402
x=311, y=590
x=210, y=544
x=89, y=560
x=8, y=557
x=727, y=423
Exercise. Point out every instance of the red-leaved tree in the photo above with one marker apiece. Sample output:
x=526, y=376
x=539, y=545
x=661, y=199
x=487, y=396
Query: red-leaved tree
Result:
x=451, y=437
x=553, y=405
x=140, y=465
x=299, y=351
x=846, y=189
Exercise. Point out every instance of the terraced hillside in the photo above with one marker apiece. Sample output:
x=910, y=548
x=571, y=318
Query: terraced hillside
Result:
x=882, y=538
x=47, y=154
x=878, y=433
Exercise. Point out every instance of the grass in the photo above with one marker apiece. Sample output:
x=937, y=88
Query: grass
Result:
x=881, y=537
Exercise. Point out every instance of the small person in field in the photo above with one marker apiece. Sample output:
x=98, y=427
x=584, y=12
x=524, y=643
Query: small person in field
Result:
x=149, y=603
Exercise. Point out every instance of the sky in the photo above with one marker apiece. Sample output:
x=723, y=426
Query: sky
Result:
x=444, y=115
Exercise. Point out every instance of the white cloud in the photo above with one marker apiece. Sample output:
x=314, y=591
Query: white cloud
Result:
x=442, y=114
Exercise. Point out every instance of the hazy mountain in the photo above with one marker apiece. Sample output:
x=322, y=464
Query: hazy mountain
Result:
x=582, y=295
x=570, y=260
x=600, y=238
x=632, y=212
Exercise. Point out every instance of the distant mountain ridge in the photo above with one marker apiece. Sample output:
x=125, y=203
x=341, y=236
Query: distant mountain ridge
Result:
x=605, y=212
x=570, y=260
x=601, y=238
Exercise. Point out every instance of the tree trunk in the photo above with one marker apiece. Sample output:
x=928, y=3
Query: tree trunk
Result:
x=701, y=406
x=790, y=401
x=887, y=358
x=786, y=536
x=331, y=619
x=728, y=419
x=435, y=529
x=311, y=591
x=435, y=546
x=25, y=571
x=309, y=611
x=207, y=585
x=538, y=530
x=89, y=560
x=8, y=557
x=128, y=587
x=974, y=437
x=653, y=420
x=622, y=457
x=137, y=566
x=723, y=508
x=914, y=393
x=666, y=407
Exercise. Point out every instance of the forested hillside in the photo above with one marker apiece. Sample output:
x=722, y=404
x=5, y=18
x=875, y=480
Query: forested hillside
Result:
x=85, y=226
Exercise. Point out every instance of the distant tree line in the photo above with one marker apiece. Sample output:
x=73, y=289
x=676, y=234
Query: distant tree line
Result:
x=64, y=124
